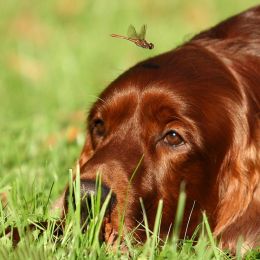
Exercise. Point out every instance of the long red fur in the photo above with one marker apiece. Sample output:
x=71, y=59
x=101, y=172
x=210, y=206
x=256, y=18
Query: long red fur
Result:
x=208, y=91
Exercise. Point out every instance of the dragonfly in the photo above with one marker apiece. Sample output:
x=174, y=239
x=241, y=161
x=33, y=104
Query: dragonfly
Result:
x=137, y=38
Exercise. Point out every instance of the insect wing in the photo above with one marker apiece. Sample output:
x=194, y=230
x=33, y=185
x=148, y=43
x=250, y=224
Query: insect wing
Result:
x=131, y=32
x=142, y=33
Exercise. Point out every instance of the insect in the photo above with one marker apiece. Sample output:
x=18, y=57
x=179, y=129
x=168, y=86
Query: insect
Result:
x=137, y=38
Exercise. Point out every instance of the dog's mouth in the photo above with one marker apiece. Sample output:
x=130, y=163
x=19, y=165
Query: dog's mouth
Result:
x=109, y=233
x=94, y=204
x=112, y=238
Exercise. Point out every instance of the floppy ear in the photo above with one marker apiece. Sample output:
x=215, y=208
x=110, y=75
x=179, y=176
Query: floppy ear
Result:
x=239, y=188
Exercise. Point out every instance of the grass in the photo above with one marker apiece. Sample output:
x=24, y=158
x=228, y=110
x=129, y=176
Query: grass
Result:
x=74, y=244
x=56, y=56
x=44, y=243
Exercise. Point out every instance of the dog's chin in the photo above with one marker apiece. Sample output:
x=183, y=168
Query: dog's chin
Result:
x=114, y=236
x=109, y=234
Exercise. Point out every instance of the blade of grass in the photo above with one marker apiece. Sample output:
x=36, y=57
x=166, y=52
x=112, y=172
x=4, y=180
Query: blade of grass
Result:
x=210, y=236
x=146, y=225
x=156, y=230
x=179, y=215
x=48, y=199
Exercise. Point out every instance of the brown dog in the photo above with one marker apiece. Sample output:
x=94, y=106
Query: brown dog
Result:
x=192, y=115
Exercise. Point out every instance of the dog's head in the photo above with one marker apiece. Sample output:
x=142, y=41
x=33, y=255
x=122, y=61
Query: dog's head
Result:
x=179, y=117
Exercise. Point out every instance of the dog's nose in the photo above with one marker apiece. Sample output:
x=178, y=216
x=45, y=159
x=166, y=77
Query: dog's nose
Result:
x=88, y=190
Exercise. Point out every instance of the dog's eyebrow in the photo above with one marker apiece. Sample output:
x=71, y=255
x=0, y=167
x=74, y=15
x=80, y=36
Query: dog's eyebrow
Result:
x=149, y=65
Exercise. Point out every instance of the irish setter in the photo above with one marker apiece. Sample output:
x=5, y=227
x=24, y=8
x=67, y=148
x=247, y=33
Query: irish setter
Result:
x=189, y=115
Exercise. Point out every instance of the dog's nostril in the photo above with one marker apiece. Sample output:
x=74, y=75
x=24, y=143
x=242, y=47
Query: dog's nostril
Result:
x=88, y=196
x=88, y=190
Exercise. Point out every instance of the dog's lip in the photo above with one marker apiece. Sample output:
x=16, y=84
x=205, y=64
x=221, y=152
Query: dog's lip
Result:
x=111, y=237
x=109, y=233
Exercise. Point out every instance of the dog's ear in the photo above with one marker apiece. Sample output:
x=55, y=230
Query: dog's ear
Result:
x=86, y=152
x=238, y=182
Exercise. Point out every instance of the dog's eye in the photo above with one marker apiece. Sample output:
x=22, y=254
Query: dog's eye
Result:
x=98, y=127
x=173, y=139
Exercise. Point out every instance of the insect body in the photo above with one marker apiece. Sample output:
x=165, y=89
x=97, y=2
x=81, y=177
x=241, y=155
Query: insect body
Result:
x=137, y=38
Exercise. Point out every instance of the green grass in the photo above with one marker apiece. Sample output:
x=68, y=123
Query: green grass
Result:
x=74, y=244
x=44, y=243
x=56, y=57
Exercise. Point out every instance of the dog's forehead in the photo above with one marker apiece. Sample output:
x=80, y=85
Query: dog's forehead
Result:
x=152, y=102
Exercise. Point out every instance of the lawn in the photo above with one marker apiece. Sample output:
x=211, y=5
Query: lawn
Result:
x=56, y=57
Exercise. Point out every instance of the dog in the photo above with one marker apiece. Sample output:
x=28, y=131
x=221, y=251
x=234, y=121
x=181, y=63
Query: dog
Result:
x=190, y=115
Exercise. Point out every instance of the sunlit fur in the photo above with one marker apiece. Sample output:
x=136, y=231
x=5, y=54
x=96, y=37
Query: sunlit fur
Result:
x=208, y=90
